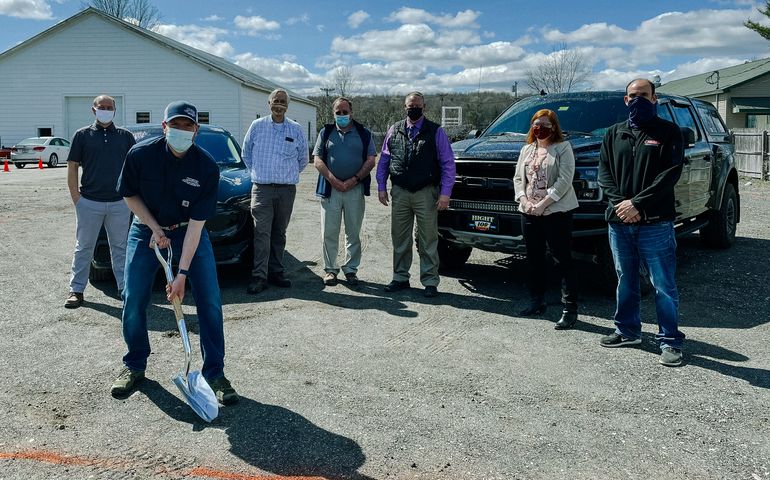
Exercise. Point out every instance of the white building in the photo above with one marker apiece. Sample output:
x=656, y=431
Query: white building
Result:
x=48, y=83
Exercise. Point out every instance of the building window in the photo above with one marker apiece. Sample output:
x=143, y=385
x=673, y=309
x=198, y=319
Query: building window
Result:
x=44, y=131
x=203, y=117
x=142, y=117
x=760, y=122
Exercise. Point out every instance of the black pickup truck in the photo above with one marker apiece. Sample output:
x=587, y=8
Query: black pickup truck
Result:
x=483, y=213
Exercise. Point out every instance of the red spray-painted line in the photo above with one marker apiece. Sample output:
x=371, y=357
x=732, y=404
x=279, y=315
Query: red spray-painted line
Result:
x=62, y=459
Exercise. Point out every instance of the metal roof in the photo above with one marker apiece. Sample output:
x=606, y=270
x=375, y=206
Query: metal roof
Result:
x=717, y=81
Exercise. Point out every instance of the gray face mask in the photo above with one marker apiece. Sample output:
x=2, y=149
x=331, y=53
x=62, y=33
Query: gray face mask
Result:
x=179, y=140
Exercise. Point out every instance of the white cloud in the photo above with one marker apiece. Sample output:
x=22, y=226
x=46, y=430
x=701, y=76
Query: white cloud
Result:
x=280, y=71
x=33, y=9
x=303, y=19
x=357, y=18
x=213, y=18
x=202, y=38
x=407, y=15
x=255, y=24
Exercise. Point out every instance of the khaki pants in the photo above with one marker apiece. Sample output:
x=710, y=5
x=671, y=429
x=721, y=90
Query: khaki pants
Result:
x=348, y=206
x=271, y=206
x=406, y=206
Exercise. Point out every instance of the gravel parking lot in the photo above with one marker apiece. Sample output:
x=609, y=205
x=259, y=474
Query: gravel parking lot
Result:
x=341, y=383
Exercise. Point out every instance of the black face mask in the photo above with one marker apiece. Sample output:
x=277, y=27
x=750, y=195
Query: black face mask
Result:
x=414, y=113
x=641, y=111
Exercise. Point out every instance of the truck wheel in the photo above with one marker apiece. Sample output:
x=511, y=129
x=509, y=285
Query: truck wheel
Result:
x=720, y=231
x=451, y=255
x=19, y=165
x=609, y=279
x=99, y=275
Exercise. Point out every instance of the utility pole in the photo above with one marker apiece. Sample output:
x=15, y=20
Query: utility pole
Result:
x=327, y=91
x=515, y=89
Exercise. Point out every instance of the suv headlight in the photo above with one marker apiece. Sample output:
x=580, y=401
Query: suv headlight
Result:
x=587, y=184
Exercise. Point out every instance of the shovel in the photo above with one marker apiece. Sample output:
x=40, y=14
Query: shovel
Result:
x=194, y=388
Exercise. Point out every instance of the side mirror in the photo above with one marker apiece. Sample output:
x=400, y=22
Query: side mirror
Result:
x=688, y=136
x=472, y=134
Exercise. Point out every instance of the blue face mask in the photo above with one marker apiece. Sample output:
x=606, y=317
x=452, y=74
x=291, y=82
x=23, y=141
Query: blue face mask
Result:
x=179, y=140
x=641, y=111
x=342, y=120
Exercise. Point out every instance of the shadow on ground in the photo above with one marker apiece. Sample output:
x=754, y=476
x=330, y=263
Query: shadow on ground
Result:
x=271, y=438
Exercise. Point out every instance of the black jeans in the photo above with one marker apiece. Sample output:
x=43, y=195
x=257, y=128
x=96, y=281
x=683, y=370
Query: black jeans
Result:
x=555, y=231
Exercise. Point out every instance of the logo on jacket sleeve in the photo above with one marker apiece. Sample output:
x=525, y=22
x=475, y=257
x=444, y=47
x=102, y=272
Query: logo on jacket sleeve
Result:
x=652, y=142
x=191, y=182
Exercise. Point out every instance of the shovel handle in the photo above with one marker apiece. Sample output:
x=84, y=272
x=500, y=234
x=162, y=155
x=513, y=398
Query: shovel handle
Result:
x=177, y=309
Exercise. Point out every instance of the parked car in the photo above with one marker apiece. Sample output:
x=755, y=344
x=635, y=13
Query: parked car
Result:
x=231, y=229
x=484, y=214
x=51, y=150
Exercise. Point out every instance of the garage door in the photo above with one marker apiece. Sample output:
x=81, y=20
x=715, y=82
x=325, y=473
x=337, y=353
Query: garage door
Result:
x=77, y=113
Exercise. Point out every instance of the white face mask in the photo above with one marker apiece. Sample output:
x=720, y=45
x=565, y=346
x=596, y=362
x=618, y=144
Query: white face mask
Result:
x=105, y=116
x=179, y=140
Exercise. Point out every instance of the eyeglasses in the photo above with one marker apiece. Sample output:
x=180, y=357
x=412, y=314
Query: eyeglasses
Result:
x=538, y=123
x=341, y=112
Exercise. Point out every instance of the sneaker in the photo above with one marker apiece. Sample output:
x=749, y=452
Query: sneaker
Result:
x=257, y=285
x=671, y=357
x=126, y=382
x=224, y=391
x=330, y=279
x=616, y=340
x=74, y=300
x=352, y=279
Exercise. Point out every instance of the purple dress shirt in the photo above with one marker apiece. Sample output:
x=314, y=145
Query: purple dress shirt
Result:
x=446, y=158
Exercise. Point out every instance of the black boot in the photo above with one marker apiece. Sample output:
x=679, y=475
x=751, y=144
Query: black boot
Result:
x=566, y=321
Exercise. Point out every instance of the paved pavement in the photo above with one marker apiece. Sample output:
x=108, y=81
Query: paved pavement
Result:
x=341, y=383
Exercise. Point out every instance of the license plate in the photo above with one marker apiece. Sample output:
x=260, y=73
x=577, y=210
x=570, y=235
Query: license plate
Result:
x=483, y=223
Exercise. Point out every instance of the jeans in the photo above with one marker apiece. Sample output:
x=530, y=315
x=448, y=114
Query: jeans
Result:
x=654, y=247
x=141, y=267
x=555, y=231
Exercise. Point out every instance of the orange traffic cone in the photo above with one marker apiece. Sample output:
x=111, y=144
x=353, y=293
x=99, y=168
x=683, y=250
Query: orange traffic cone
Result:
x=5, y=167
x=40, y=163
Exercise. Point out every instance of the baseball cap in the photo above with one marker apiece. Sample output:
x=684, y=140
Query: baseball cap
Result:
x=181, y=109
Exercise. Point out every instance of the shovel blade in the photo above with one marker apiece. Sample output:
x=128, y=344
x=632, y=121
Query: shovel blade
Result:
x=198, y=394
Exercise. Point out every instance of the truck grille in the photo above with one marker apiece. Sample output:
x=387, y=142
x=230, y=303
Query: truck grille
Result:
x=507, y=207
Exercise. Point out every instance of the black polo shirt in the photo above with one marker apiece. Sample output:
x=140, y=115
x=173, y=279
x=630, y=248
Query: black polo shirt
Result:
x=100, y=151
x=174, y=189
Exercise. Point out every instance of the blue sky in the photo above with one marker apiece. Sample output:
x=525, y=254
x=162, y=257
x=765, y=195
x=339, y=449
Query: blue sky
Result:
x=440, y=46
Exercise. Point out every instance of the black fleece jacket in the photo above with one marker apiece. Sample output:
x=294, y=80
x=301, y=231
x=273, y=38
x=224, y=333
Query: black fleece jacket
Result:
x=642, y=165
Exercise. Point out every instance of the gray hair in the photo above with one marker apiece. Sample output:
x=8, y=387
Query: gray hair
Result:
x=275, y=92
x=103, y=97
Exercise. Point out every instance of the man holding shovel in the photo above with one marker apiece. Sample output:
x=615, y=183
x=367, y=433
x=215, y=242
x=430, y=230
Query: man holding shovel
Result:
x=171, y=186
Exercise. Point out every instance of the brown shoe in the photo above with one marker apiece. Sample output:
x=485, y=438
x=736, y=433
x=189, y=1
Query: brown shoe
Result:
x=74, y=300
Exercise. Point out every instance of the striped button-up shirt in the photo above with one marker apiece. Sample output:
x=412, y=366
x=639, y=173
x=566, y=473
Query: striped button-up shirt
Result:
x=275, y=152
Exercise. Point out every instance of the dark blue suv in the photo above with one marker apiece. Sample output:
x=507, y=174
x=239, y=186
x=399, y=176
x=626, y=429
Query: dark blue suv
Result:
x=231, y=230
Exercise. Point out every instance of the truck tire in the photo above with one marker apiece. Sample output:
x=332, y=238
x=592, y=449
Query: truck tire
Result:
x=609, y=278
x=99, y=275
x=720, y=231
x=452, y=256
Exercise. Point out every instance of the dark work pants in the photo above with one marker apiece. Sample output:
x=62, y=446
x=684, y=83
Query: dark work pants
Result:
x=271, y=207
x=555, y=232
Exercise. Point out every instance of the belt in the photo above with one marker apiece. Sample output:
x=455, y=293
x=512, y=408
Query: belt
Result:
x=175, y=226
x=168, y=229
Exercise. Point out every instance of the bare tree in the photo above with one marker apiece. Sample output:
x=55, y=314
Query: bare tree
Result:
x=757, y=27
x=345, y=81
x=561, y=71
x=141, y=12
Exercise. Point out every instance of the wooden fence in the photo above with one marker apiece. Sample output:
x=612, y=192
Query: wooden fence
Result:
x=751, y=152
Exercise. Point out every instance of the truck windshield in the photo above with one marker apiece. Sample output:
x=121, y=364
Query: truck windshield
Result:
x=587, y=115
